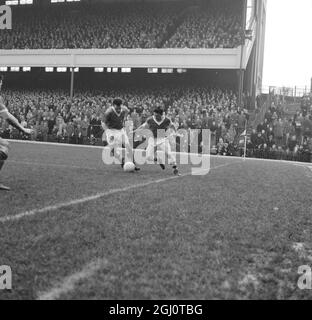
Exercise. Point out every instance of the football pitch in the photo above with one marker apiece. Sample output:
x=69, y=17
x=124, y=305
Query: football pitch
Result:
x=73, y=228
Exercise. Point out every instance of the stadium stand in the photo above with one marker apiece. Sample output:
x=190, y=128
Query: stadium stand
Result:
x=55, y=117
x=120, y=25
x=214, y=27
x=282, y=136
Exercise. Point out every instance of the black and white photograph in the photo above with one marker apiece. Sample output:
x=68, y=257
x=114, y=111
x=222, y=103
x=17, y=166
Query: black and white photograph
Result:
x=155, y=150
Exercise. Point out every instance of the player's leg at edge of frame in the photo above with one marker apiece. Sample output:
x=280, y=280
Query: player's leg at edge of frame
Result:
x=3, y=157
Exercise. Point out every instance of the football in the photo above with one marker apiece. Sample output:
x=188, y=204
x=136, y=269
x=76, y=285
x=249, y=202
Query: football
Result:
x=129, y=167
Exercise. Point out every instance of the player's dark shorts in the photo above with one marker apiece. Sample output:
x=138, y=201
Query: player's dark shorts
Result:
x=4, y=149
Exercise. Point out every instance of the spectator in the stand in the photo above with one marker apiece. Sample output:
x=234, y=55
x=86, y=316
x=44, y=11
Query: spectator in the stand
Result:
x=271, y=142
x=279, y=132
x=290, y=138
x=298, y=126
x=84, y=130
x=288, y=131
x=309, y=145
x=260, y=127
x=307, y=126
x=51, y=124
x=292, y=144
x=253, y=139
x=44, y=130
x=70, y=132
x=241, y=122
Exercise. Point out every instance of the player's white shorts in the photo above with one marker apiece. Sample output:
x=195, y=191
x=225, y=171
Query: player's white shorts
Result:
x=116, y=137
x=162, y=145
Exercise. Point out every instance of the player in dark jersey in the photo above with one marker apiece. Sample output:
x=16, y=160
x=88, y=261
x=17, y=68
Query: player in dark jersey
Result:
x=159, y=125
x=4, y=145
x=116, y=135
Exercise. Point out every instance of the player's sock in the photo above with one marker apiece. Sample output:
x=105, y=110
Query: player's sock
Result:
x=137, y=168
x=163, y=167
x=122, y=162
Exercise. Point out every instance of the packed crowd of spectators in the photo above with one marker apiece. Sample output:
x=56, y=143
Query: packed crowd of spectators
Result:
x=283, y=136
x=119, y=25
x=54, y=117
x=89, y=26
x=214, y=28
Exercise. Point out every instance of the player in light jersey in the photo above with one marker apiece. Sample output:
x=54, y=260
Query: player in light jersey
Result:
x=159, y=125
x=4, y=145
x=116, y=135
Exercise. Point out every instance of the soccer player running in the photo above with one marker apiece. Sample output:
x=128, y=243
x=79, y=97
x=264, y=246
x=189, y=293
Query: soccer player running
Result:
x=116, y=135
x=4, y=145
x=159, y=125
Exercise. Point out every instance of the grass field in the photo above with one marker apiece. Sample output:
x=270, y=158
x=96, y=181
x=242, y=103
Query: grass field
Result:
x=72, y=228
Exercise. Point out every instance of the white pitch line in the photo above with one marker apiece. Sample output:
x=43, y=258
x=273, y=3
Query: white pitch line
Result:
x=92, y=197
x=55, y=144
x=53, y=165
x=78, y=201
x=68, y=284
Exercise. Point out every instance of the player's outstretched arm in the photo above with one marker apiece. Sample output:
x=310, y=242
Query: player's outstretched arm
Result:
x=106, y=119
x=104, y=126
x=5, y=114
x=126, y=110
x=142, y=127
